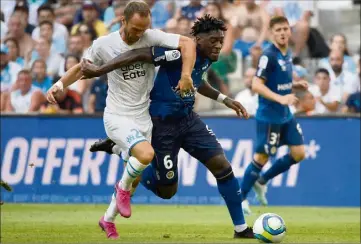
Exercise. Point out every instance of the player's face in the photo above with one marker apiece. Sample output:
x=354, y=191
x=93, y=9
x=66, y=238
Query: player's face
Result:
x=281, y=33
x=135, y=28
x=211, y=44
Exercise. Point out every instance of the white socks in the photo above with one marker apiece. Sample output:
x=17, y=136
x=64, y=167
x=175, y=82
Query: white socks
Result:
x=240, y=228
x=133, y=169
x=112, y=211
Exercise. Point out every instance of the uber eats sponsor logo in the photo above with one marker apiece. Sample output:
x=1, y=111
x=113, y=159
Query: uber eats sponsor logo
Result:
x=133, y=71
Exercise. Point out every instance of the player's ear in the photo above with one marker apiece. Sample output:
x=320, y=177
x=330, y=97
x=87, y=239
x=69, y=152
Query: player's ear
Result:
x=122, y=19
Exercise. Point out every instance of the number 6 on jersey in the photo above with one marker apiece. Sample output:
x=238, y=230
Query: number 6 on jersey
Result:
x=168, y=163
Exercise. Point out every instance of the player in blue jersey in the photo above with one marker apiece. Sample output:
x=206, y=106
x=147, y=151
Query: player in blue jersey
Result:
x=176, y=126
x=276, y=125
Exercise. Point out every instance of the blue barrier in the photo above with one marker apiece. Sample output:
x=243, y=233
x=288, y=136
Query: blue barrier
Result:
x=46, y=159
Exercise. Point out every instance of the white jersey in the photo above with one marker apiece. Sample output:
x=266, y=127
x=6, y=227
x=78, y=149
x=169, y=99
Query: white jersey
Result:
x=21, y=103
x=129, y=86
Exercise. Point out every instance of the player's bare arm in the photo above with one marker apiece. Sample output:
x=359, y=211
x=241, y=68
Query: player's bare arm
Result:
x=188, y=50
x=259, y=87
x=69, y=78
x=90, y=70
x=208, y=91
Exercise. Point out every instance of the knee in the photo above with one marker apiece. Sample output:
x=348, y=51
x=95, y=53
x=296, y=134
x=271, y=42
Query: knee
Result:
x=261, y=158
x=299, y=154
x=167, y=192
x=144, y=153
x=217, y=165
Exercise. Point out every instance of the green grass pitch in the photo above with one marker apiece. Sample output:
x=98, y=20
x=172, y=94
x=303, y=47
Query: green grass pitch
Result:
x=50, y=223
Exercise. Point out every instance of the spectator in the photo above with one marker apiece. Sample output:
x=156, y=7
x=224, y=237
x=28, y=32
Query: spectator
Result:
x=88, y=35
x=8, y=8
x=46, y=32
x=69, y=102
x=160, y=13
x=252, y=60
x=9, y=70
x=98, y=94
x=46, y=13
x=112, y=15
x=14, y=51
x=328, y=98
x=16, y=30
x=306, y=104
x=228, y=9
x=342, y=79
x=99, y=5
x=192, y=10
x=75, y=45
x=40, y=79
x=353, y=103
x=22, y=11
x=52, y=59
x=3, y=27
x=251, y=27
x=299, y=15
x=65, y=12
x=214, y=10
x=247, y=97
x=90, y=18
x=338, y=42
x=26, y=98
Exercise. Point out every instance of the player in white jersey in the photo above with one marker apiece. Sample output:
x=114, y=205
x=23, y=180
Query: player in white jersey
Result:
x=126, y=117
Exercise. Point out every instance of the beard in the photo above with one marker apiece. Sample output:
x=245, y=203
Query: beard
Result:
x=337, y=68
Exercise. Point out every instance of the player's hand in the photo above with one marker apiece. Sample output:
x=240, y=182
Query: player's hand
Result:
x=89, y=70
x=302, y=85
x=185, y=85
x=236, y=106
x=289, y=99
x=52, y=93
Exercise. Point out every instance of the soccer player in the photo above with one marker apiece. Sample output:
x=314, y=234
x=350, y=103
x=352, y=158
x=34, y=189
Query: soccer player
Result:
x=126, y=117
x=275, y=124
x=176, y=126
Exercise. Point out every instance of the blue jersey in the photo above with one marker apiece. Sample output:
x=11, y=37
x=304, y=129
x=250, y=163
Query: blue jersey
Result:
x=276, y=70
x=166, y=102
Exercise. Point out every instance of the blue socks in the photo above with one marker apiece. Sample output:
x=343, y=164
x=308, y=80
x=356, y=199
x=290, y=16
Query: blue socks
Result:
x=148, y=179
x=250, y=177
x=229, y=189
x=280, y=166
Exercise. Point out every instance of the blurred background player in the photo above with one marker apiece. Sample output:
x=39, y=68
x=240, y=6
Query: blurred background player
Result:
x=276, y=125
x=176, y=126
x=126, y=118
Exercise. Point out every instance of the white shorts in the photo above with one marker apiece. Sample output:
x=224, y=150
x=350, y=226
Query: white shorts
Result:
x=127, y=131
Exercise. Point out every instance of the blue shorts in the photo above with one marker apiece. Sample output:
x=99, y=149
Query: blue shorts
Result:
x=272, y=136
x=169, y=136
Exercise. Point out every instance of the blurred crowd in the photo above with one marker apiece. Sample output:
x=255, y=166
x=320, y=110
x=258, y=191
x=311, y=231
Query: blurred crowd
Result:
x=42, y=39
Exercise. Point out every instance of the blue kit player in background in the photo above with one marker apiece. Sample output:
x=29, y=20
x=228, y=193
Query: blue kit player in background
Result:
x=176, y=126
x=276, y=125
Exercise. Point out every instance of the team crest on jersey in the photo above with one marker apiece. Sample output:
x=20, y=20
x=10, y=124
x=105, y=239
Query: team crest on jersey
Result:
x=282, y=63
x=170, y=175
x=172, y=55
